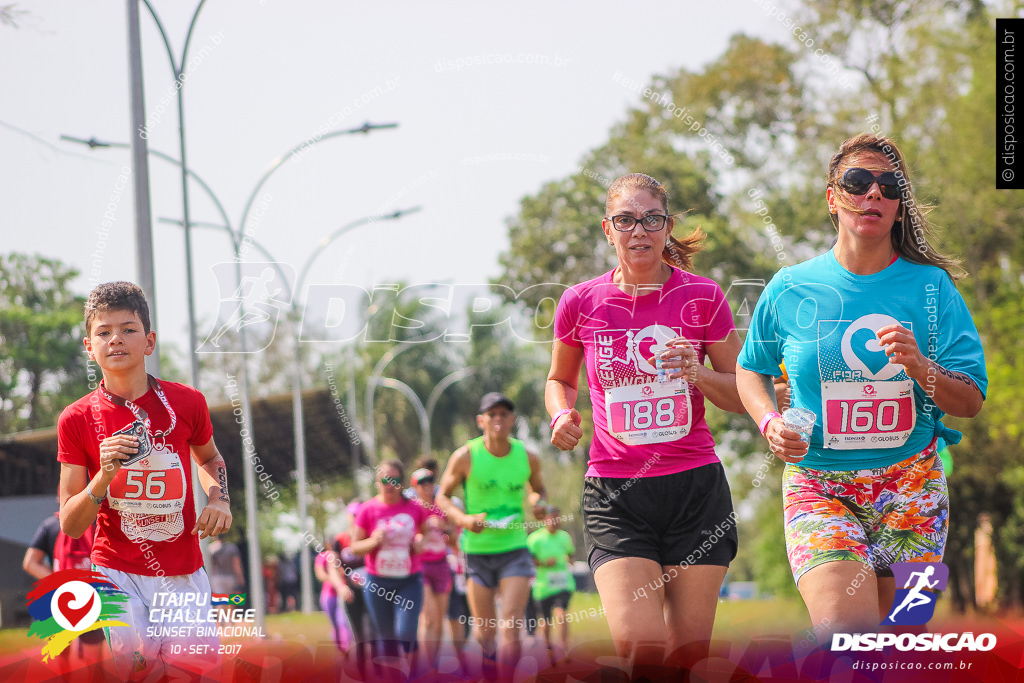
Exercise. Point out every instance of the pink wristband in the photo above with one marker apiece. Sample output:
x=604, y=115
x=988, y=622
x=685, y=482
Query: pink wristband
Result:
x=766, y=419
x=559, y=414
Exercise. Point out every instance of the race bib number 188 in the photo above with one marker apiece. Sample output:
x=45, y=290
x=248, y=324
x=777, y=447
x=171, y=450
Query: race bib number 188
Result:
x=648, y=413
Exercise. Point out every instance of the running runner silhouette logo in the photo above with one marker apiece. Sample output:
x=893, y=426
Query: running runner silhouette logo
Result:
x=252, y=296
x=914, y=603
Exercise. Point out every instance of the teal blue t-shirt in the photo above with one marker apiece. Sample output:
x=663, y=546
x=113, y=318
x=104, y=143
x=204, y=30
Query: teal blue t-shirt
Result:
x=821, y=320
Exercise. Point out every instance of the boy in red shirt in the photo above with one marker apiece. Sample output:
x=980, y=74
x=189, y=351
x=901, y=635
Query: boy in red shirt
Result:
x=124, y=452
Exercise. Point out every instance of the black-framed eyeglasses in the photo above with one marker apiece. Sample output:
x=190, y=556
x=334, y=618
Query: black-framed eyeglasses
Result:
x=857, y=181
x=651, y=223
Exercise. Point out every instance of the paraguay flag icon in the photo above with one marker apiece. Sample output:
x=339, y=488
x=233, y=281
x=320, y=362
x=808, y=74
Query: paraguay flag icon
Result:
x=228, y=599
x=68, y=603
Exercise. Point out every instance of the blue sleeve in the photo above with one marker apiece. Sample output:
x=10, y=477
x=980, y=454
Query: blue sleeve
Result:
x=762, y=348
x=959, y=346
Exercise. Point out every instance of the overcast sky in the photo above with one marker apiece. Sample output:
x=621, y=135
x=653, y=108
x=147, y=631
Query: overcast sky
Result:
x=492, y=101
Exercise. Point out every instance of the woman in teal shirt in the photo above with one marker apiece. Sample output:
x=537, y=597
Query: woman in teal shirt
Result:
x=879, y=344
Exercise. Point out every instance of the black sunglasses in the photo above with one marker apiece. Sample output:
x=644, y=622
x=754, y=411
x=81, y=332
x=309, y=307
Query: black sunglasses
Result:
x=857, y=181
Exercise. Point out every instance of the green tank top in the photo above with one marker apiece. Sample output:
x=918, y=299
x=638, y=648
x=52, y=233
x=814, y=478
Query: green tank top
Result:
x=497, y=486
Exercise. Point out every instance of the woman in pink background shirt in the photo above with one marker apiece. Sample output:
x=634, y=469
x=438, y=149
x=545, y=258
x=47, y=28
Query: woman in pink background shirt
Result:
x=388, y=531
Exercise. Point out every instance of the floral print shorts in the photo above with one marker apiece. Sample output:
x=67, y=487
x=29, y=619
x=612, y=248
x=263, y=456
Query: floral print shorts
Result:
x=878, y=517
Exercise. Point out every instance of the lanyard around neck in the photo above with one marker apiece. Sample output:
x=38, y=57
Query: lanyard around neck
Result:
x=140, y=413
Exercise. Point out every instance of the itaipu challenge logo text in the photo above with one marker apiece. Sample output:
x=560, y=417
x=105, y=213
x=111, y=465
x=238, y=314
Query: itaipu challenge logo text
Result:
x=68, y=603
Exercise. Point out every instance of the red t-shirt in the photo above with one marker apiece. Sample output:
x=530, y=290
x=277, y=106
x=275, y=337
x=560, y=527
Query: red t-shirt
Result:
x=401, y=522
x=157, y=490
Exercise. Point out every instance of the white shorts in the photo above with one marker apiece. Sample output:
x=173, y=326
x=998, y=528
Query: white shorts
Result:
x=151, y=640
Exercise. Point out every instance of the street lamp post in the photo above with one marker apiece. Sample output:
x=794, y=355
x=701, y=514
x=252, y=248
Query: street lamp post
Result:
x=297, y=411
x=293, y=295
x=417, y=404
x=140, y=166
x=371, y=388
x=178, y=70
x=306, y=569
x=424, y=414
x=446, y=382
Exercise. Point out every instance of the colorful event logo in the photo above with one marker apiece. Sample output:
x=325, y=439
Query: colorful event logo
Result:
x=68, y=603
x=914, y=604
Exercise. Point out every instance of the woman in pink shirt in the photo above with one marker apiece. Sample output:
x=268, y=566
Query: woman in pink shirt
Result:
x=658, y=517
x=334, y=593
x=437, y=575
x=389, y=532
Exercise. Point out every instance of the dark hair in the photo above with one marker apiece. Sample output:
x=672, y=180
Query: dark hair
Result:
x=426, y=463
x=678, y=253
x=397, y=464
x=116, y=296
x=911, y=218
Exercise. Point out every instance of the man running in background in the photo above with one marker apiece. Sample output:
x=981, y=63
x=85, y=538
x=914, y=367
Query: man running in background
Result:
x=495, y=470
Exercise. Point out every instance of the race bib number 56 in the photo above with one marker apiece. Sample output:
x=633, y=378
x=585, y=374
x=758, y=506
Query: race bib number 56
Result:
x=648, y=413
x=154, y=485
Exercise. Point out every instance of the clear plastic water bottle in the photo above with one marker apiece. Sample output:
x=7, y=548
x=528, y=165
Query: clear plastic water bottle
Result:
x=662, y=372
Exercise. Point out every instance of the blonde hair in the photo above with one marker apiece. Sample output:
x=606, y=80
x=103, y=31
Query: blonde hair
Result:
x=911, y=218
x=677, y=253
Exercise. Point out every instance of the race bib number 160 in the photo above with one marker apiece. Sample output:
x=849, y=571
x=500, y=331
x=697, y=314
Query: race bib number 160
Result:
x=867, y=414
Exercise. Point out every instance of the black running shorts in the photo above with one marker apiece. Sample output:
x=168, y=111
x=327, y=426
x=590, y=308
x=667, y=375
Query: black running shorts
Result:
x=677, y=519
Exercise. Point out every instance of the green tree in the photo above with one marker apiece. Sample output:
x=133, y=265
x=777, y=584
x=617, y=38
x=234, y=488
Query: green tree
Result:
x=42, y=360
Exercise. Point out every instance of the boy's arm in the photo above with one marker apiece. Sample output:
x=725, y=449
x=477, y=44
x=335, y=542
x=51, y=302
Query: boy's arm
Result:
x=215, y=518
x=77, y=510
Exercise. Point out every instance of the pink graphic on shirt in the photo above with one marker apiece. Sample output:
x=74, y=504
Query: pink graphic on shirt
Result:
x=394, y=557
x=434, y=546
